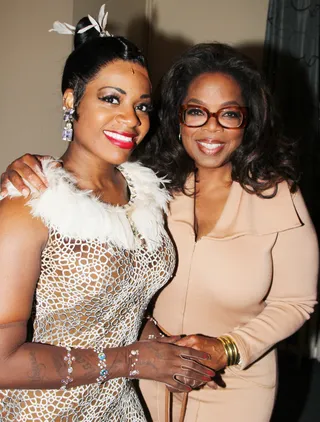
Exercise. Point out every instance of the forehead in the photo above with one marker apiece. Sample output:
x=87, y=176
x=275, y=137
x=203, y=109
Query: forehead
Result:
x=214, y=87
x=123, y=74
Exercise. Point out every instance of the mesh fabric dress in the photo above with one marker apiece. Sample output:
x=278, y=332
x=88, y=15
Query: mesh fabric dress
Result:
x=101, y=266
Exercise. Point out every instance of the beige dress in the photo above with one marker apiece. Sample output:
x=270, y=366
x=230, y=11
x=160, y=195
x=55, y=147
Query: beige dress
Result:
x=253, y=277
x=101, y=266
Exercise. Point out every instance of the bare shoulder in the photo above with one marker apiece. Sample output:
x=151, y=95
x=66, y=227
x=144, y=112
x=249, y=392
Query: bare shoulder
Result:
x=22, y=239
x=16, y=219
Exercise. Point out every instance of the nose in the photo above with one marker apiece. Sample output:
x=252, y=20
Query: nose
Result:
x=128, y=116
x=213, y=124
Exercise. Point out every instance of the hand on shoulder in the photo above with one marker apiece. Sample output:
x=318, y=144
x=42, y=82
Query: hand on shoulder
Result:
x=29, y=168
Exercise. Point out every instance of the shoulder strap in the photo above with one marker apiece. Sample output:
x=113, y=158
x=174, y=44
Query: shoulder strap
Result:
x=168, y=406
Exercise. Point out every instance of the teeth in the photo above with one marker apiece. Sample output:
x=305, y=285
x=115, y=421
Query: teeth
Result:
x=118, y=136
x=209, y=146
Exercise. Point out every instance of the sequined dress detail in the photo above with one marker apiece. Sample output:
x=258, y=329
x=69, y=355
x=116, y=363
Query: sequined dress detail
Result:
x=101, y=266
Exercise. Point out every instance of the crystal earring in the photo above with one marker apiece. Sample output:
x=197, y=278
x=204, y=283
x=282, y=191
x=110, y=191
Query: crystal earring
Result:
x=67, y=132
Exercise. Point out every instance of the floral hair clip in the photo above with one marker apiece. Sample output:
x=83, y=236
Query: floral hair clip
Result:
x=99, y=25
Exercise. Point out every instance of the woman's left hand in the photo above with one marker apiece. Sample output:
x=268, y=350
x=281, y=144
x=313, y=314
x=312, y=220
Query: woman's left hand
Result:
x=210, y=345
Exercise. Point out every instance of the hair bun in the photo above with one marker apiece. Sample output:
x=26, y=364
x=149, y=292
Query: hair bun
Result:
x=82, y=38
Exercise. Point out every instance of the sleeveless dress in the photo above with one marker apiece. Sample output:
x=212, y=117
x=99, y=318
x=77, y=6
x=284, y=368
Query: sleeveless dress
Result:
x=101, y=266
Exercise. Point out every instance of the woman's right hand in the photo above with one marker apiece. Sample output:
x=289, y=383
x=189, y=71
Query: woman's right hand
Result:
x=178, y=367
x=27, y=167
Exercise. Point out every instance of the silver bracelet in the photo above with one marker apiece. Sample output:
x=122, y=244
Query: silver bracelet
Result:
x=133, y=358
x=150, y=318
x=102, y=363
x=154, y=337
x=69, y=359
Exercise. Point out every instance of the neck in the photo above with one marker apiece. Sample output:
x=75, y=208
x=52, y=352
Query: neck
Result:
x=212, y=178
x=91, y=172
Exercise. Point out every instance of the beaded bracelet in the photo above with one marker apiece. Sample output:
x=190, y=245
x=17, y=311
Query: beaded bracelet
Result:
x=150, y=318
x=69, y=359
x=133, y=358
x=154, y=337
x=231, y=350
x=102, y=363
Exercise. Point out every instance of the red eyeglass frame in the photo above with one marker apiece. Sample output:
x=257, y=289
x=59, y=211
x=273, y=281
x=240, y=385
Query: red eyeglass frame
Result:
x=210, y=114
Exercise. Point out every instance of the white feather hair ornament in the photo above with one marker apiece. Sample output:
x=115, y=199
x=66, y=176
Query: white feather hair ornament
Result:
x=63, y=28
x=99, y=25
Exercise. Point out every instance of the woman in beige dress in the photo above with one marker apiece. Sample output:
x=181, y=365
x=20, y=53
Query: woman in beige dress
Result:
x=247, y=250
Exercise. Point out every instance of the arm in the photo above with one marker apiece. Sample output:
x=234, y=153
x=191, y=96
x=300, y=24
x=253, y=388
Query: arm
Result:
x=289, y=303
x=22, y=364
x=33, y=365
x=293, y=293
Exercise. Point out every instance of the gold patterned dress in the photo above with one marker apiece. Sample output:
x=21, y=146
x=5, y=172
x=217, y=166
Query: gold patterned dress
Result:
x=101, y=266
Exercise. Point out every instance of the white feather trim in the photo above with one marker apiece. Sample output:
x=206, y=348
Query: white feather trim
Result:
x=79, y=214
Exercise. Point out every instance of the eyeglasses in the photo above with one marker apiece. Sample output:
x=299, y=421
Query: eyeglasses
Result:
x=232, y=117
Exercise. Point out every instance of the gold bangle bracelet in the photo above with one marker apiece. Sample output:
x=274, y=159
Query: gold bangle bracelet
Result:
x=231, y=349
x=229, y=353
x=226, y=349
x=234, y=351
x=236, y=359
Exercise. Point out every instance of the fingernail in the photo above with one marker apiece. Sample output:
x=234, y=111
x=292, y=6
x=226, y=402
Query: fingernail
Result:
x=25, y=192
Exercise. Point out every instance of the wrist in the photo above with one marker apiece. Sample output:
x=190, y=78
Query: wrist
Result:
x=132, y=360
x=157, y=336
x=152, y=320
x=116, y=362
x=151, y=331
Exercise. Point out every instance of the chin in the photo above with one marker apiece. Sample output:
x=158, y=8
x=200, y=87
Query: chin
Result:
x=209, y=163
x=117, y=159
x=212, y=162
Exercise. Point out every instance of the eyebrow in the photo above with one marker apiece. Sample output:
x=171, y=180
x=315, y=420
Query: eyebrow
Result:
x=231, y=102
x=194, y=100
x=121, y=91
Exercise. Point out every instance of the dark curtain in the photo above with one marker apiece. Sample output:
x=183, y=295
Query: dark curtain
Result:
x=291, y=65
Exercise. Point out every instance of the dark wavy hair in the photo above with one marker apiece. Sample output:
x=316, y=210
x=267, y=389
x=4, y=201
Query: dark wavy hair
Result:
x=264, y=157
x=91, y=53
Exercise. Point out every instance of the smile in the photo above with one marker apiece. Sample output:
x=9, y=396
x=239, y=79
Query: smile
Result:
x=121, y=140
x=209, y=148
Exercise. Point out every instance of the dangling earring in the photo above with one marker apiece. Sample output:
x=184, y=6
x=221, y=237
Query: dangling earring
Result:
x=67, y=132
x=180, y=137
